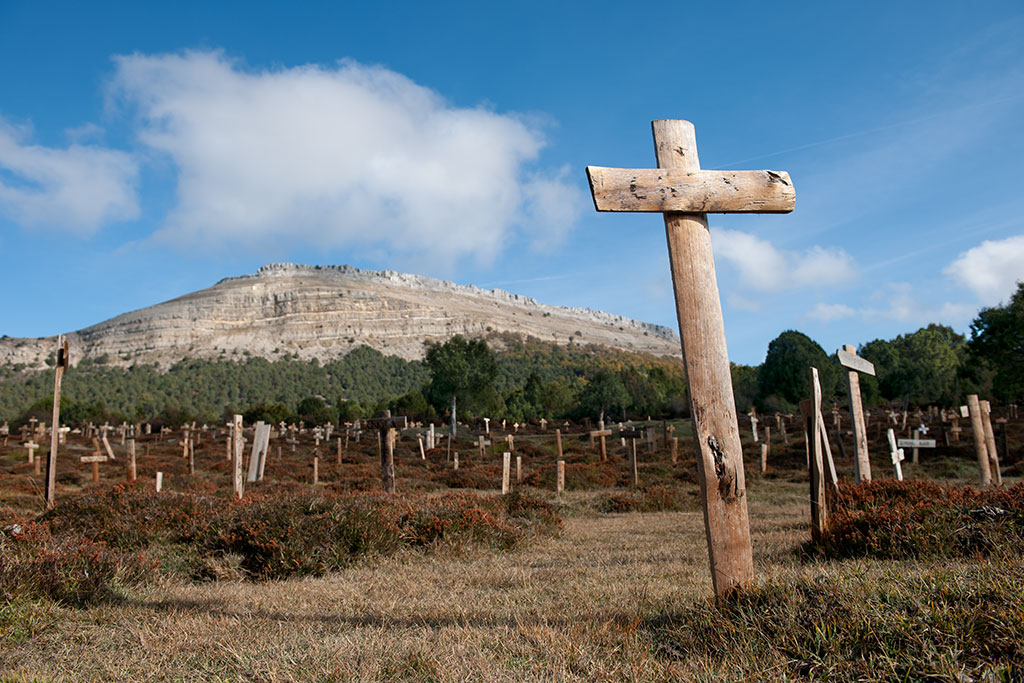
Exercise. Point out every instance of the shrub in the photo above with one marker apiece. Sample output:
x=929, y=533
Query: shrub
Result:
x=913, y=518
x=655, y=498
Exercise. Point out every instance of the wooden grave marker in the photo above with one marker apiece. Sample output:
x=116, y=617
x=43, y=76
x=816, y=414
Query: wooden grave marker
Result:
x=63, y=361
x=849, y=359
x=684, y=193
x=990, y=443
x=895, y=453
x=600, y=434
x=980, y=448
x=506, y=467
x=633, y=435
x=237, y=444
x=385, y=426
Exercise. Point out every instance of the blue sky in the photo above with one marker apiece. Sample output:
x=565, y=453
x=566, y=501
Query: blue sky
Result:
x=149, y=149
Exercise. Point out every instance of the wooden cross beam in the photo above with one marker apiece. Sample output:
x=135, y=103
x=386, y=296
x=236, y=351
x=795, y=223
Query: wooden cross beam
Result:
x=849, y=359
x=684, y=193
x=601, y=434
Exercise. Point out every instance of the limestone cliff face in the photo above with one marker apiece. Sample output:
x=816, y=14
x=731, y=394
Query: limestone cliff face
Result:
x=323, y=312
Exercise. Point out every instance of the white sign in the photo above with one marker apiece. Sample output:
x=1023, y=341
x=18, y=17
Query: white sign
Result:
x=916, y=443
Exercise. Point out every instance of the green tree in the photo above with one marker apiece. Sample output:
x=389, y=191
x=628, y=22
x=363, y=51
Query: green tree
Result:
x=603, y=393
x=997, y=340
x=785, y=377
x=348, y=411
x=313, y=410
x=744, y=386
x=460, y=367
x=922, y=366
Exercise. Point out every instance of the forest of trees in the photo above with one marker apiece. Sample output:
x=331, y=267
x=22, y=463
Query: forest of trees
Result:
x=507, y=376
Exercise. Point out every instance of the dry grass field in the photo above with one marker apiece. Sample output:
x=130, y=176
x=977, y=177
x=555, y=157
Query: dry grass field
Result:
x=609, y=596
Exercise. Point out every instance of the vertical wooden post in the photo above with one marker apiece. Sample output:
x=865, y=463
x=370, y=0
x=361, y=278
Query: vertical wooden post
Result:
x=506, y=466
x=636, y=467
x=51, y=462
x=895, y=453
x=455, y=460
x=913, y=453
x=978, y=427
x=316, y=470
x=712, y=407
x=238, y=483
x=519, y=469
x=675, y=449
x=339, y=450
x=819, y=507
x=862, y=465
x=560, y=477
x=990, y=443
x=387, y=458
x=159, y=481
x=558, y=442
x=131, y=460
x=764, y=458
x=191, y=457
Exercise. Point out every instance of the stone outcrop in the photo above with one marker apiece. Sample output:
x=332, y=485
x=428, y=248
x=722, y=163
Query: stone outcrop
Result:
x=323, y=312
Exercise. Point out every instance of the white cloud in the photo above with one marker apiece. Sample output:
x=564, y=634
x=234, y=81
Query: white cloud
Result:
x=830, y=312
x=76, y=189
x=343, y=156
x=765, y=269
x=990, y=270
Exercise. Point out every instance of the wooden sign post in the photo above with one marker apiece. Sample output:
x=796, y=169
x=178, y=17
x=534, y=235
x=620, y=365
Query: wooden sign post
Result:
x=63, y=359
x=131, y=460
x=684, y=193
x=560, y=477
x=385, y=424
x=848, y=358
x=990, y=443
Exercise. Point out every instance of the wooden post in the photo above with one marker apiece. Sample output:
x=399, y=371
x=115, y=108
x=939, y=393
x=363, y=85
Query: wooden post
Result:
x=848, y=358
x=635, y=465
x=601, y=434
x=63, y=359
x=385, y=426
x=675, y=449
x=455, y=460
x=131, y=460
x=519, y=469
x=316, y=470
x=159, y=481
x=560, y=478
x=895, y=453
x=819, y=506
x=238, y=483
x=506, y=466
x=339, y=449
x=990, y=443
x=423, y=454
x=191, y=457
x=978, y=427
x=764, y=458
x=683, y=192
x=558, y=442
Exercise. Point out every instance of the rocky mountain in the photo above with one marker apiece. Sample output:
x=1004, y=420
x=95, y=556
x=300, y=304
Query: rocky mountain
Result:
x=323, y=312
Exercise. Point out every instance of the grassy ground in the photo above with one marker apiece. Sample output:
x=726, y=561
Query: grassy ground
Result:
x=622, y=596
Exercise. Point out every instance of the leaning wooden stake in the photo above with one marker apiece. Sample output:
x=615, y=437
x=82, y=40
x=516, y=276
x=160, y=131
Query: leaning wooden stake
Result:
x=990, y=443
x=819, y=506
x=51, y=462
x=978, y=427
x=684, y=193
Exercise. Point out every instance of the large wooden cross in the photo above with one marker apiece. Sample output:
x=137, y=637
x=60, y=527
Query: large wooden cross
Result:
x=849, y=359
x=684, y=193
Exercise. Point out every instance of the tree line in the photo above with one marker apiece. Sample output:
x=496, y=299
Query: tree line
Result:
x=507, y=376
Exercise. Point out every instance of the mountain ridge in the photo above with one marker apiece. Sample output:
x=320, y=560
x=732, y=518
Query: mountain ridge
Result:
x=323, y=312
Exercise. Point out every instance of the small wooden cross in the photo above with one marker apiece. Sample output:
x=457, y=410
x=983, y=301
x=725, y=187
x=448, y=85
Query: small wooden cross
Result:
x=601, y=434
x=386, y=424
x=896, y=454
x=684, y=193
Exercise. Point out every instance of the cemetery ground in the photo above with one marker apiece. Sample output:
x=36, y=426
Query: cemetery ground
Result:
x=450, y=580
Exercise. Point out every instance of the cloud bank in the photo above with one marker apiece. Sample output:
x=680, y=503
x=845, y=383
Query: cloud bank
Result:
x=76, y=189
x=763, y=268
x=339, y=157
x=990, y=270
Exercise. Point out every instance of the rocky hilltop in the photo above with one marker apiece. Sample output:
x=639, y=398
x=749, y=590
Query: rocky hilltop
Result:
x=324, y=312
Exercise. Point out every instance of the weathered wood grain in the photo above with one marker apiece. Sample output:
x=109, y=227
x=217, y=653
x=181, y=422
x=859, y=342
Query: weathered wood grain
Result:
x=855, y=362
x=660, y=190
